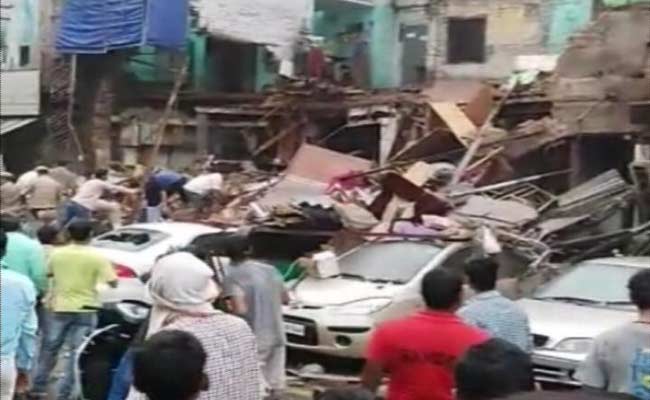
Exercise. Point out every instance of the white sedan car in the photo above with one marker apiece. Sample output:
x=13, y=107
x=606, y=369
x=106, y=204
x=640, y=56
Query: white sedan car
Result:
x=377, y=282
x=133, y=250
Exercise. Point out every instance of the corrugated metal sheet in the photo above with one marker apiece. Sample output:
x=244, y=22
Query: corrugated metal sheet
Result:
x=20, y=94
x=276, y=23
x=596, y=195
x=343, y=3
x=10, y=124
x=606, y=184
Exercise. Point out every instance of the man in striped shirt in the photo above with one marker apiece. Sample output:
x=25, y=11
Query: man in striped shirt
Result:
x=490, y=311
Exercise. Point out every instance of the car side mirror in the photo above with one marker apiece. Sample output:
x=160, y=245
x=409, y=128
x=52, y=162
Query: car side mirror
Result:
x=144, y=278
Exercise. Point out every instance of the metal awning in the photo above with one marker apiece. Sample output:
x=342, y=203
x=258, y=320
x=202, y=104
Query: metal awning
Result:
x=342, y=5
x=9, y=124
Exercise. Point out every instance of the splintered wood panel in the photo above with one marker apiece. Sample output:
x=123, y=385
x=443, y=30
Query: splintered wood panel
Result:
x=456, y=121
x=321, y=165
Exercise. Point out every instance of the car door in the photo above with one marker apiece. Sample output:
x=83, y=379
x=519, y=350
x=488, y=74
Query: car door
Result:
x=211, y=246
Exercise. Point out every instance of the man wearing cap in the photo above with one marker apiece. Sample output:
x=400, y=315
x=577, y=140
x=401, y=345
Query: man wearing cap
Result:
x=10, y=199
x=43, y=194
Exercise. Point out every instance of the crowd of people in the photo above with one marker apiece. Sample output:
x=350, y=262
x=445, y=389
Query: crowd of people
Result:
x=219, y=335
x=56, y=195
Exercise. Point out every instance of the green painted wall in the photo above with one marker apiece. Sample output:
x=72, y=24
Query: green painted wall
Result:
x=198, y=47
x=383, y=47
x=620, y=3
x=266, y=74
x=567, y=17
x=142, y=65
x=380, y=28
x=334, y=24
x=150, y=65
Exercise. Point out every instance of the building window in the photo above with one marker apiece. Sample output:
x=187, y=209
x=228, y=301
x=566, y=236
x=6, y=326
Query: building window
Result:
x=466, y=40
x=24, y=56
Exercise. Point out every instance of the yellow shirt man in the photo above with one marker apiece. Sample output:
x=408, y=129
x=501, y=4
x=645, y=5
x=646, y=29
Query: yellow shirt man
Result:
x=76, y=272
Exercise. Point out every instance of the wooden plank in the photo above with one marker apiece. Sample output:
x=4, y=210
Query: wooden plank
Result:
x=461, y=126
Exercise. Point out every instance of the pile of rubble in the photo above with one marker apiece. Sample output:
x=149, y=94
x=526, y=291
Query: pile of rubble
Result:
x=456, y=161
x=332, y=195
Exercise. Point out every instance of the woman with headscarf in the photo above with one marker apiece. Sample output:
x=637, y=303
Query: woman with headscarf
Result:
x=183, y=289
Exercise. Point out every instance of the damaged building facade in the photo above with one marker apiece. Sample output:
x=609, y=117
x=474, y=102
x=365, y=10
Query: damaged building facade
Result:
x=342, y=40
x=482, y=39
x=20, y=124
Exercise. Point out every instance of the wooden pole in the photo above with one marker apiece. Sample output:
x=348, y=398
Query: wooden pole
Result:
x=160, y=130
x=480, y=137
x=72, y=91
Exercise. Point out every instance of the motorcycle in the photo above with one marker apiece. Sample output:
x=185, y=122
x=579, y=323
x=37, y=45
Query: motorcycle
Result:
x=100, y=354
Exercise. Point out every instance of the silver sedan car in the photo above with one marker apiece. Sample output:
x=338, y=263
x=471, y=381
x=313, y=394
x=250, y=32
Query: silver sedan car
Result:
x=568, y=312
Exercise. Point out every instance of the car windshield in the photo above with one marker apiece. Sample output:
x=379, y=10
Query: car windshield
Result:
x=395, y=262
x=591, y=282
x=129, y=239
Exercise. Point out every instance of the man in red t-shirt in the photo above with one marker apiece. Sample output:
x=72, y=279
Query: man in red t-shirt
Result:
x=419, y=352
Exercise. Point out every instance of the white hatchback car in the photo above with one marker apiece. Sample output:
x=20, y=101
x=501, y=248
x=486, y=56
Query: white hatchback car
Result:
x=133, y=250
x=378, y=282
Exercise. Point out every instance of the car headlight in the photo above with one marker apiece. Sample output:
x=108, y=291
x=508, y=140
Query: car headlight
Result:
x=363, y=307
x=132, y=312
x=575, y=345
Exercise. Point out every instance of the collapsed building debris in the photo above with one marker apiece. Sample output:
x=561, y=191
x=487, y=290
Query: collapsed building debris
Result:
x=444, y=162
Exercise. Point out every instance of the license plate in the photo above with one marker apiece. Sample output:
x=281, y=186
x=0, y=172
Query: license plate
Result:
x=294, y=329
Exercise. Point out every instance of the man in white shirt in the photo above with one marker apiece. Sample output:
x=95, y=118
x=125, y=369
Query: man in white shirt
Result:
x=201, y=189
x=89, y=196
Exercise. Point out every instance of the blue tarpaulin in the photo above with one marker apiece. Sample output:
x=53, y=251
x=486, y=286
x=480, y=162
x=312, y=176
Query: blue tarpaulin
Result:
x=98, y=26
x=167, y=23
